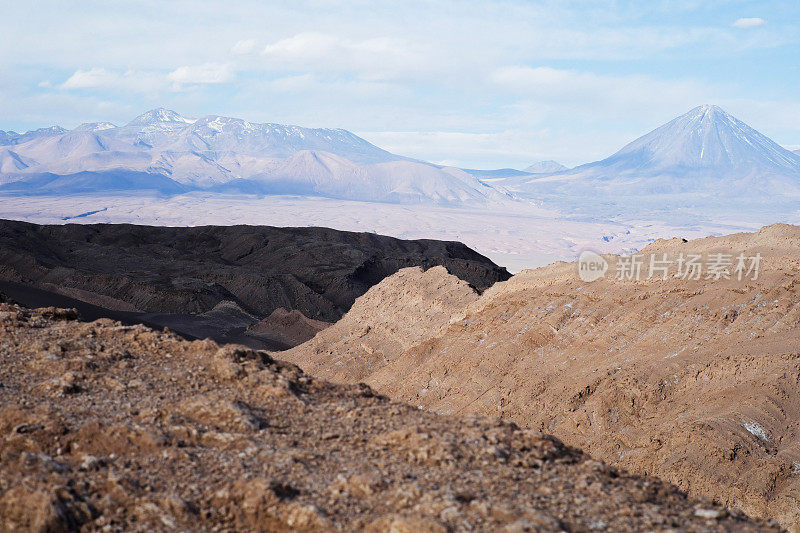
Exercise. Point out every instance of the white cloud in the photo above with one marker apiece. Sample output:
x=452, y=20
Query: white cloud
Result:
x=91, y=79
x=244, y=46
x=104, y=79
x=303, y=47
x=208, y=73
x=375, y=58
x=753, y=22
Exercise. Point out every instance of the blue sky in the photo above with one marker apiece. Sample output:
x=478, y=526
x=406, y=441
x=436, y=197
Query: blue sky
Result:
x=472, y=83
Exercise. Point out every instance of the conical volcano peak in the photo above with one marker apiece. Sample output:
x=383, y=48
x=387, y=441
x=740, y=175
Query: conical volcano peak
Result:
x=706, y=137
x=706, y=149
x=707, y=115
x=707, y=109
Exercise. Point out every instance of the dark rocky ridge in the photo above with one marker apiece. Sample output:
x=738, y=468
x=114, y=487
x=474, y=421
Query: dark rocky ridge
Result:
x=169, y=276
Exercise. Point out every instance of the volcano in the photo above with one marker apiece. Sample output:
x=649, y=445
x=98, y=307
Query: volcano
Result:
x=705, y=150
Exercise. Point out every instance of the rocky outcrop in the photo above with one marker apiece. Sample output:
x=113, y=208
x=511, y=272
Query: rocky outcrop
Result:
x=393, y=316
x=113, y=427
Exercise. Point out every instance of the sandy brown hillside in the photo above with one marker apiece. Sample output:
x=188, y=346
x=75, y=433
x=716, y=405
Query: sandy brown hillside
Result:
x=393, y=316
x=119, y=428
x=694, y=381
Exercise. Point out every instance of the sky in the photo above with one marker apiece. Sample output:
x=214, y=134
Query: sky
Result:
x=477, y=84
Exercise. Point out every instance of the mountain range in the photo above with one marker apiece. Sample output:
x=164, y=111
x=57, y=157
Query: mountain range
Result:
x=163, y=151
x=703, y=152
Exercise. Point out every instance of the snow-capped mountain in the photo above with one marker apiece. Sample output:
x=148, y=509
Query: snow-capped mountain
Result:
x=704, y=138
x=223, y=153
x=95, y=126
x=159, y=116
x=545, y=167
x=703, y=151
x=167, y=130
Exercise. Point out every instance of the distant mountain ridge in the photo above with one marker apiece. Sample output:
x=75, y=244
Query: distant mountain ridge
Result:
x=705, y=150
x=545, y=167
x=172, y=153
x=12, y=137
x=162, y=128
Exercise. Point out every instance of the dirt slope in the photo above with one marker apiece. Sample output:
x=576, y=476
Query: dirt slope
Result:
x=111, y=427
x=697, y=382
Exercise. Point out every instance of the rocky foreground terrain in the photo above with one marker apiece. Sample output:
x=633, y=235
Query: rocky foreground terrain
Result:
x=112, y=427
x=214, y=281
x=694, y=381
